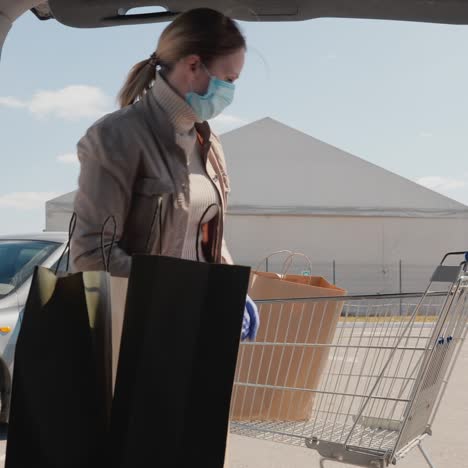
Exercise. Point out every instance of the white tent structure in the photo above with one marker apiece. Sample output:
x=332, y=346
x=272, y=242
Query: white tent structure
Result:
x=356, y=221
x=59, y=211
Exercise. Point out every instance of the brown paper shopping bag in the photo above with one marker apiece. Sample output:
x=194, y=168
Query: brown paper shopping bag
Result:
x=280, y=360
x=118, y=293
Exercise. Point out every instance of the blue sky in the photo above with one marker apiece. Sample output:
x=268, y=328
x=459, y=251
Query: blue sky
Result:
x=395, y=94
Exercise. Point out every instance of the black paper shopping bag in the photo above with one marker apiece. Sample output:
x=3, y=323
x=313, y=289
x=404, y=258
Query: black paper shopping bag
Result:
x=177, y=362
x=61, y=391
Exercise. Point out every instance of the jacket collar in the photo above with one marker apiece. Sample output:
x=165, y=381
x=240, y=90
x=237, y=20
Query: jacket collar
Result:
x=156, y=117
x=179, y=112
x=204, y=131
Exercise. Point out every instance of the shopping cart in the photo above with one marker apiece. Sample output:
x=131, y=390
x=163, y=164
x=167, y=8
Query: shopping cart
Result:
x=384, y=372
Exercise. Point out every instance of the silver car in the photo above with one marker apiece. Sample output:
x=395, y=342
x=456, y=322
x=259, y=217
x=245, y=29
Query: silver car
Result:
x=19, y=255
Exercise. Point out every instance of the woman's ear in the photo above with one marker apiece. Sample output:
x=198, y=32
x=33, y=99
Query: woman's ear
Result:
x=192, y=62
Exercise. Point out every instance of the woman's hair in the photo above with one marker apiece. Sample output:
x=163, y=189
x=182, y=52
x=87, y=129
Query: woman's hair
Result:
x=202, y=31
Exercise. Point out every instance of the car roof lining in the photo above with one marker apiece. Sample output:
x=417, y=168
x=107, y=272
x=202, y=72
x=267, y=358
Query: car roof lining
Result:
x=103, y=13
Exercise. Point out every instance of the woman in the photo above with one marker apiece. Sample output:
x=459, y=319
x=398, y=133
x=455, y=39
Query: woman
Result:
x=154, y=164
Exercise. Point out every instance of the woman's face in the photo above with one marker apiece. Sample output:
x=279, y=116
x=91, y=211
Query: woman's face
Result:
x=226, y=68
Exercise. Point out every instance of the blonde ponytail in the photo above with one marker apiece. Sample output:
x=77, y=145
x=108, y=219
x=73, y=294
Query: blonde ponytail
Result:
x=138, y=81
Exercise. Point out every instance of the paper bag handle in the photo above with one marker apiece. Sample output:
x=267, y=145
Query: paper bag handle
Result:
x=106, y=260
x=278, y=252
x=288, y=262
x=71, y=230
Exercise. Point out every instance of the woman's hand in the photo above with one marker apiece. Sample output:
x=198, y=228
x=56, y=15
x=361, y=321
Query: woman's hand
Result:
x=251, y=320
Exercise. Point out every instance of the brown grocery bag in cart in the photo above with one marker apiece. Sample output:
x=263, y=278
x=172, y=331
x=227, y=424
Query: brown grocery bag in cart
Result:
x=267, y=373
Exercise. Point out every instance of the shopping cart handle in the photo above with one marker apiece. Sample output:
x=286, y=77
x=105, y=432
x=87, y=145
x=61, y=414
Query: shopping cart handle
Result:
x=451, y=254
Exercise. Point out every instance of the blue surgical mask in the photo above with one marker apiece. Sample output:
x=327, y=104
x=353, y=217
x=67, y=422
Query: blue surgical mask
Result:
x=218, y=96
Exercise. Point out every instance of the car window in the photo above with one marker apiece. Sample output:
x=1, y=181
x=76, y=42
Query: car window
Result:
x=18, y=259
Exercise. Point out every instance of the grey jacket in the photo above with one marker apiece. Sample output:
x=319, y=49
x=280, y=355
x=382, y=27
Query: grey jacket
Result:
x=132, y=169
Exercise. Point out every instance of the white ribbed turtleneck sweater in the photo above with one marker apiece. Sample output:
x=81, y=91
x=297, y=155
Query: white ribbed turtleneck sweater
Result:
x=203, y=193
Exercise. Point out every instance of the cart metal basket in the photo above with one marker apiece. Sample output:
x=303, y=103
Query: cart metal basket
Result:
x=386, y=370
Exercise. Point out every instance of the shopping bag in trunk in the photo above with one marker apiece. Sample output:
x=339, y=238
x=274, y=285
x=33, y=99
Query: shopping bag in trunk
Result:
x=281, y=358
x=177, y=361
x=61, y=396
